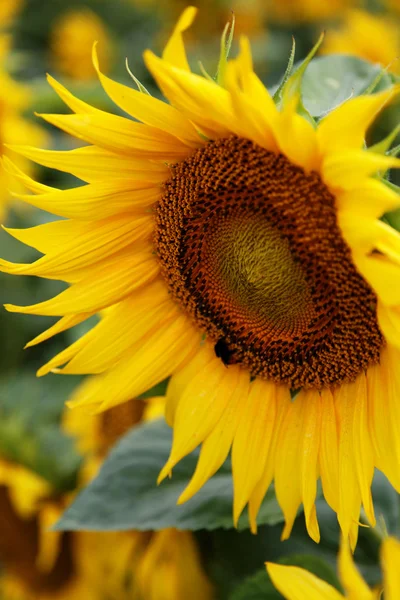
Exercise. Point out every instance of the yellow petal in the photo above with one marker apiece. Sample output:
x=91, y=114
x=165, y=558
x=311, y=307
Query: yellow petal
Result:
x=283, y=401
x=174, y=51
x=363, y=452
x=389, y=323
x=204, y=102
x=252, y=442
x=390, y=559
x=350, y=578
x=297, y=459
x=72, y=101
x=298, y=584
x=200, y=408
x=71, y=245
x=148, y=363
x=382, y=275
x=62, y=325
x=181, y=379
x=22, y=178
x=345, y=169
x=329, y=454
x=106, y=285
x=384, y=417
x=371, y=198
x=348, y=485
x=121, y=135
x=49, y=541
x=256, y=113
x=346, y=126
x=216, y=446
x=122, y=327
x=149, y=110
x=96, y=164
x=97, y=200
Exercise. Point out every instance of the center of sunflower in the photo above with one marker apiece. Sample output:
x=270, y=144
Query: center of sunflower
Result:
x=250, y=247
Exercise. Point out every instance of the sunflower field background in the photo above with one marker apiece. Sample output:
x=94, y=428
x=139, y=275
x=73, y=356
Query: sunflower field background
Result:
x=81, y=515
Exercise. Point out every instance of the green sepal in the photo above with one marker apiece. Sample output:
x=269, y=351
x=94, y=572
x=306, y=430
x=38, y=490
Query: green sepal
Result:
x=374, y=84
x=136, y=80
x=391, y=185
x=204, y=72
x=277, y=97
x=226, y=43
x=292, y=87
x=383, y=146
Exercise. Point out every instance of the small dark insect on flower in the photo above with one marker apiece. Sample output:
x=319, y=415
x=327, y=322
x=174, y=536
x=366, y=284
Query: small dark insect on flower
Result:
x=224, y=353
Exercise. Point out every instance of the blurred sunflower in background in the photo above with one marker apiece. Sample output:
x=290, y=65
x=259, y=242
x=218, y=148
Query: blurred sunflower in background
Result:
x=306, y=11
x=236, y=247
x=370, y=36
x=15, y=98
x=298, y=584
x=71, y=42
x=43, y=564
x=8, y=10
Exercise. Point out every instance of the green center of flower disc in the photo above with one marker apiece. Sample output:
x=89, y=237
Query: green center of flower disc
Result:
x=250, y=247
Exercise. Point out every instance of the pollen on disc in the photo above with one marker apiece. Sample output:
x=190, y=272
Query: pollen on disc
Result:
x=250, y=247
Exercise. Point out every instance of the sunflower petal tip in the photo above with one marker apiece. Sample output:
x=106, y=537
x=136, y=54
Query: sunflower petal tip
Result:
x=165, y=472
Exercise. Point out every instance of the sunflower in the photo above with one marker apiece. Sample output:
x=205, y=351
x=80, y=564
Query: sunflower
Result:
x=8, y=10
x=71, y=42
x=297, y=584
x=373, y=37
x=235, y=247
x=305, y=11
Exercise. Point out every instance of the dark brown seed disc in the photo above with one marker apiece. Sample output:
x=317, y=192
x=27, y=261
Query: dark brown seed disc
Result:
x=250, y=247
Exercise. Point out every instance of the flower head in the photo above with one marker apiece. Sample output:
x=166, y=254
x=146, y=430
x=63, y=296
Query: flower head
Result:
x=297, y=584
x=235, y=247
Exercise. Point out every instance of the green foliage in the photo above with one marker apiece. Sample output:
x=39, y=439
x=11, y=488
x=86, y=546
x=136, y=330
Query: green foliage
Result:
x=124, y=495
x=330, y=80
x=256, y=587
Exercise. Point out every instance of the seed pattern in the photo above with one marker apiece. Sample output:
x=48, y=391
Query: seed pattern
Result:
x=250, y=247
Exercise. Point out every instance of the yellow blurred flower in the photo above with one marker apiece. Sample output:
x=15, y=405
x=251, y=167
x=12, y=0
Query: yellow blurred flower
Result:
x=49, y=565
x=71, y=42
x=8, y=10
x=303, y=11
x=373, y=37
x=14, y=100
x=298, y=584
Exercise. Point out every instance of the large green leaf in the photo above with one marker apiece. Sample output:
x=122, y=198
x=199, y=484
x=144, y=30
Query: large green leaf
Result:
x=329, y=80
x=125, y=495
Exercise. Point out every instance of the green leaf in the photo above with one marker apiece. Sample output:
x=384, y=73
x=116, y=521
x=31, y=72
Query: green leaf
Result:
x=256, y=587
x=225, y=48
x=125, y=496
x=30, y=435
x=330, y=80
x=277, y=97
